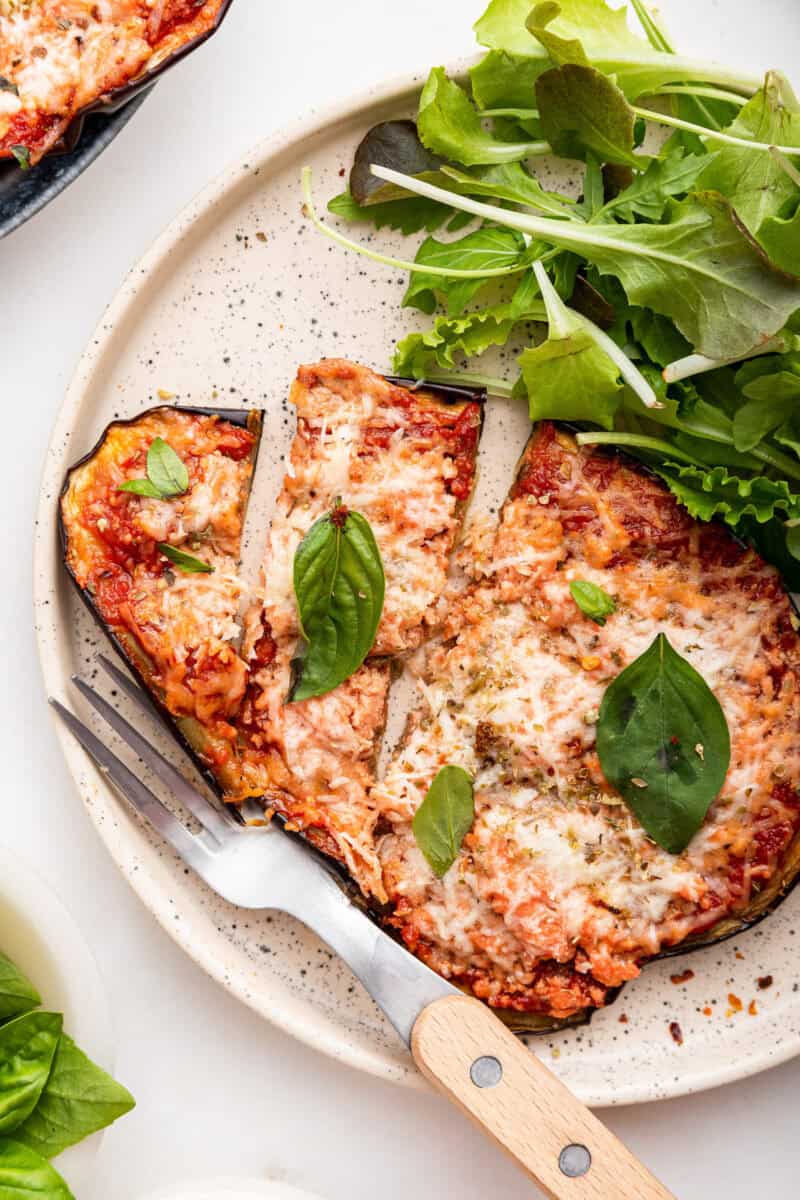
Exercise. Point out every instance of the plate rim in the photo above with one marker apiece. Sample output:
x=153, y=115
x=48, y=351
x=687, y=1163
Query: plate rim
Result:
x=260, y=157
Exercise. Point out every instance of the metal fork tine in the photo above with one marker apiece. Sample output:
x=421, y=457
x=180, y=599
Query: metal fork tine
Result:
x=208, y=816
x=135, y=792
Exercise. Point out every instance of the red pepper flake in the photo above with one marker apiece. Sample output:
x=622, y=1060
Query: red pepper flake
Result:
x=708, y=1011
x=764, y=982
x=752, y=1008
x=623, y=1018
x=676, y=1033
x=735, y=1003
x=684, y=976
x=673, y=741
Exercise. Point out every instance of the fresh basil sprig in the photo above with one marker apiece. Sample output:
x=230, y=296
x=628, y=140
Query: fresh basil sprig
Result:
x=444, y=818
x=185, y=562
x=17, y=994
x=51, y=1094
x=166, y=474
x=25, y=1175
x=664, y=743
x=27, y=1048
x=593, y=601
x=23, y=156
x=339, y=588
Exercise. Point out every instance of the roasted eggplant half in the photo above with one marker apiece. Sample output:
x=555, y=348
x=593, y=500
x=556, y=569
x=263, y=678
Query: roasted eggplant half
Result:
x=101, y=61
x=156, y=562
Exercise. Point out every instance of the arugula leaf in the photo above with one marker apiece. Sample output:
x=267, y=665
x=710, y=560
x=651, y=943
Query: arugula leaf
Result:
x=700, y=268
x=339, y=587
x=27, y=1046
x=449, y=125
x=647, y=195
x=580, y=109
x=17, y=994
x=185, y=562
x=444, y=818
x=25, y=1175
x=604, y=39
x=78, y=1099
x=569, y=377
x=513, y=182
x=593, y=601
x=410, y=215
x=664, y=744
x=487, y=248
x=755, y=183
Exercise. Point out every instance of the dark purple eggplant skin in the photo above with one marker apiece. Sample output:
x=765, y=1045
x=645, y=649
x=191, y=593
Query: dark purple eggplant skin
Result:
x=252, y=419
x=115, y=98
x=448, y=393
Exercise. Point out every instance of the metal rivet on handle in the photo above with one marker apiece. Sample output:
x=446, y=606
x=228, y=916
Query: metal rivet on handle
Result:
x=574, y=1161
x=486, y=1071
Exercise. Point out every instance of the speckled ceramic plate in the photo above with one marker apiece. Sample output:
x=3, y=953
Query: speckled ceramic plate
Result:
x=237, y=292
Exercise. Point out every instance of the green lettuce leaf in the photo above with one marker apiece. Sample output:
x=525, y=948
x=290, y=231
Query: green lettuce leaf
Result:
x=754, y=182
x=581, y=110
x=569, y=377
x=513, y=182
x=647, y=196
x=490, y=248
x=780, y=237
x=719, y=493
x=449, y=125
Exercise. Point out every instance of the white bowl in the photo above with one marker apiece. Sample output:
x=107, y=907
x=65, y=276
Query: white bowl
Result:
x=233, y=1189
x=41, y=938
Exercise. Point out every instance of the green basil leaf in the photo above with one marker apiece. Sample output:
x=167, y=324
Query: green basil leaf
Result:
x=27, y=1047
x=339, y=587
x=23, y=156
x=165, y=469
x=78, y=1099
x=592, y=600
x=185, y=562
x=25, y=1175
x=17, y=994
x=141, y=487
x=663, y=742
x=444, y=818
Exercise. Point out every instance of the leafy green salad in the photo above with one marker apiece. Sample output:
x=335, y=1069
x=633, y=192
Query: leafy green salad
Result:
x=51, y=1094
x=659, y=309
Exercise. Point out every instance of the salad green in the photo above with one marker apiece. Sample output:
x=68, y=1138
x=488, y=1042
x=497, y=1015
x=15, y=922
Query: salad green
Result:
x=670, y=288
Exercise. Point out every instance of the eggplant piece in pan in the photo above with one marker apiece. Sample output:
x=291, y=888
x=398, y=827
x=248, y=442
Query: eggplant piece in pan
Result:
x=159, y=572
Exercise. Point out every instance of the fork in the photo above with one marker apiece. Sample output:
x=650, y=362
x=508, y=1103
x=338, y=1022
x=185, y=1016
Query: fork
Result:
x=456, y=1041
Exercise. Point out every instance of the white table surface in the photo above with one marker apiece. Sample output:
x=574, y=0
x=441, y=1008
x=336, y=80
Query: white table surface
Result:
x=219, y=1091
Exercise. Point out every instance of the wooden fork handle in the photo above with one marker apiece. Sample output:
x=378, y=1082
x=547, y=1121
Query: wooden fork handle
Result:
x=465, y=1051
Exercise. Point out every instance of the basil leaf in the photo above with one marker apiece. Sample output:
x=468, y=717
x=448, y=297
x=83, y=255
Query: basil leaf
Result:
x=141, y=487
x=25, y=1175
x=663, y=742
x=339, y=587
x=23, y=156
x=444, y=818
x=165, y=470
x=17, y=994
x=27, y=1047
x=79, y=1098
x=592, y=600
x=185, y=562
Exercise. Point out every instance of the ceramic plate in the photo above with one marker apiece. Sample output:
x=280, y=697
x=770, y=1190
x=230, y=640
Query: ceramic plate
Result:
x=232, y=297
x=38, y=934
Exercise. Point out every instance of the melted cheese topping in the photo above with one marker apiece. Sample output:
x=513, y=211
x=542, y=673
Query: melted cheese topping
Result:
x=58, y=56
x=514, y=699
x=391, y=462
